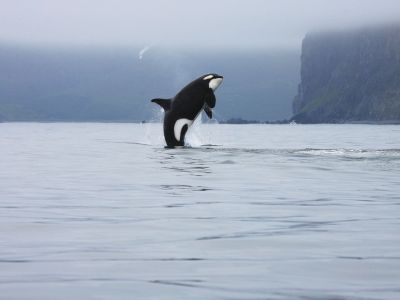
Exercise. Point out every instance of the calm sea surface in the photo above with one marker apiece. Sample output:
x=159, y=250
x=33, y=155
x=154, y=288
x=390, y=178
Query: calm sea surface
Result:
x=103, y=211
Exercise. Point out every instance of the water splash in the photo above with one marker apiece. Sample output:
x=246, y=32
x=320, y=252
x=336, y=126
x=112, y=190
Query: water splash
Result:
x=153, y=131
x=194, y=135
x=217, y=116
x=198, y=134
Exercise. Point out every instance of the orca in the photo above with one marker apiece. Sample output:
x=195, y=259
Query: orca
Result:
x=182, y=110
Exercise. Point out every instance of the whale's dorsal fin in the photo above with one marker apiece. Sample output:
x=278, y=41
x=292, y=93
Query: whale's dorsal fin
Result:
x=164, y=103
x=210, y=99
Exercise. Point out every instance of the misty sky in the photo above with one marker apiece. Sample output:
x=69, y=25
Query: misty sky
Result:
x=180, y=23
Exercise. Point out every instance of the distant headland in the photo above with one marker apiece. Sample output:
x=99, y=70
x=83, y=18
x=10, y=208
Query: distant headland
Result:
x=350, y=77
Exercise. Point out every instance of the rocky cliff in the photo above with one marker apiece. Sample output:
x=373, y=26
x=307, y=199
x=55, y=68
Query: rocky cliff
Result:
x=350, y=77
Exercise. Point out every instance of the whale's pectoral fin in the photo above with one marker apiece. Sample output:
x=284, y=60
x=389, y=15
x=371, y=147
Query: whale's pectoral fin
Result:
x=208, y=111
x=210, y=99
x=164, y=103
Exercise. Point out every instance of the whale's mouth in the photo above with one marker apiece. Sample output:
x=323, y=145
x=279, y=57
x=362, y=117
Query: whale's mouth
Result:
x=215, y=83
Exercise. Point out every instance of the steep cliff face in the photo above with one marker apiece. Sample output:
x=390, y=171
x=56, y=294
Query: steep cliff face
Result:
x=350, y=77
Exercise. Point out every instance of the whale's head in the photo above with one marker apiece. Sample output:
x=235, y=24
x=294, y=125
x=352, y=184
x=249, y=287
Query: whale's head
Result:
x=212, y=80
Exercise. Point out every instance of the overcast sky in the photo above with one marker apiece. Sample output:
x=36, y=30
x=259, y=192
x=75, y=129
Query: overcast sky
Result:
x=183, y=23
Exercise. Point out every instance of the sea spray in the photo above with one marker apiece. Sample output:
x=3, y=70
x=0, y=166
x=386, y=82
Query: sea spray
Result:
x=194, y=137
x=153, y=130
x=200, y=133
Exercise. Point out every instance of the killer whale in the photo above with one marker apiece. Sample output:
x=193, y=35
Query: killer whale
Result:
x=182, y=110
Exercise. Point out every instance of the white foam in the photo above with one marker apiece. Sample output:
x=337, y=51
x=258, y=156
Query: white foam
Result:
x=199, y=133
x=153, y=130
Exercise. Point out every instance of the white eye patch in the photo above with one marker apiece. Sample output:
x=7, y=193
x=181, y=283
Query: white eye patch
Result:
x=208, y=77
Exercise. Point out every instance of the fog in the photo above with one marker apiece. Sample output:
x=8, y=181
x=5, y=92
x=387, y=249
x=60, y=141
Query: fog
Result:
x=183, y=24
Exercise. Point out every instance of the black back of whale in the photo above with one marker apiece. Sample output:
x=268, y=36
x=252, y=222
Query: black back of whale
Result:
x=187, y=104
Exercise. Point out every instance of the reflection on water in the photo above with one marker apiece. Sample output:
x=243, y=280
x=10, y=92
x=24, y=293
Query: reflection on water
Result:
x=90, y=211
x=183, y=162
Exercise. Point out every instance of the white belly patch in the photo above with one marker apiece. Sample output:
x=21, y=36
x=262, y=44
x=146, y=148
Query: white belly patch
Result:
x=178, y=127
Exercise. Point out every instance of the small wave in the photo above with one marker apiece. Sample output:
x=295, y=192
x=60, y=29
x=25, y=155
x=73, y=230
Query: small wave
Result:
x=227, y=162
x=184, y=187
x=339, y=152
x=350, y=153
x=134, y=143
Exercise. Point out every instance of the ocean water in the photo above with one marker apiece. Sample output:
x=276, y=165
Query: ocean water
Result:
x=103, y=211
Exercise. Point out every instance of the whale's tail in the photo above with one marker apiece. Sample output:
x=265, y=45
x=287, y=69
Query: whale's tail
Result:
x=164, y=103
